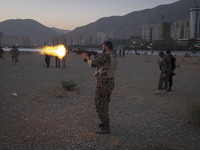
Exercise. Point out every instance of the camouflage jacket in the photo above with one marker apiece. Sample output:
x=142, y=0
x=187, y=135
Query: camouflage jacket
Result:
x=14, y=52
x=106, y=65
x=103, y=59
x=165, y=65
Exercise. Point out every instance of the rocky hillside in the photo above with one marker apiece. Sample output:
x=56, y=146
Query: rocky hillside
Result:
x=131, y=24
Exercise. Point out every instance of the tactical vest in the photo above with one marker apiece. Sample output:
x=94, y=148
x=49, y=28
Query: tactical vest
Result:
x=108, y=71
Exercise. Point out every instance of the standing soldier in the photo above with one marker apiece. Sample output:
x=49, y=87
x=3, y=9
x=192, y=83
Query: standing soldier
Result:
x=47, y=60
x=15, y=52
x=120, y=53
x=173, y=67
x=123, y=53
x=106, y=65
x=64, y=60
x=1, y=53
x=57, y=62
x=165, y=67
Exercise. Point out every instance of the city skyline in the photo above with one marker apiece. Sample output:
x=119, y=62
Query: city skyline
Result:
x=67, y=14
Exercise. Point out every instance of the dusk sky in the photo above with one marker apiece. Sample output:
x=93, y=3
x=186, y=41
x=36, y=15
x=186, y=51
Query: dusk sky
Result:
x=69, y=14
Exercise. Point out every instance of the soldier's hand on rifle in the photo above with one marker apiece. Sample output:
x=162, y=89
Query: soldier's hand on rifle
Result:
x=85, y=55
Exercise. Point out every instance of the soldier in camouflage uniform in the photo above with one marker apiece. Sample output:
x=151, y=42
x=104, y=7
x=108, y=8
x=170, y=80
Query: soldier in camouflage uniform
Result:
x=1, y=54
x=106, y=65
x=15, y=52
x=165, y=67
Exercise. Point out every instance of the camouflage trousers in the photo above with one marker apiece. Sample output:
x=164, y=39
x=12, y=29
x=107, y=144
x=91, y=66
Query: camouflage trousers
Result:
x=15, y=59
x=103, y=92
x=163, y=82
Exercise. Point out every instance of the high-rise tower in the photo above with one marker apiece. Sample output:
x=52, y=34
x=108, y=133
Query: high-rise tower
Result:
x=195, y=23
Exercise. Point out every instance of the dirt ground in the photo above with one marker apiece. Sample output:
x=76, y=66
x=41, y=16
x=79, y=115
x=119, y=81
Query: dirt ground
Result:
x=36, y=113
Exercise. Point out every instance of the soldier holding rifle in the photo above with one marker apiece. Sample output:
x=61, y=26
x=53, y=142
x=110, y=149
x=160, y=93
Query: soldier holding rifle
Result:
x=106, y=65
x=165, y=68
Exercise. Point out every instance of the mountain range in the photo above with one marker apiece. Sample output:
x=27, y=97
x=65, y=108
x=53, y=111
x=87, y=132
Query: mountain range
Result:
x=131, y=24
x=60, y=31
x=29, y=27
x=121, y=26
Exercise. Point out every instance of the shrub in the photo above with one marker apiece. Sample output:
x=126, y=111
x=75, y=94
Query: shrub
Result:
x=68, y=85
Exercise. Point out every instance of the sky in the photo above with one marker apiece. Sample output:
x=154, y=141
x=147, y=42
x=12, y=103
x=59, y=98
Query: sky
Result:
x=69, y=14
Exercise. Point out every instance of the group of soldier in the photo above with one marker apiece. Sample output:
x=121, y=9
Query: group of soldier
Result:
x=14, y=51
x=63, y=61
x=167, y=67
x=122, y=53
x=106, y=65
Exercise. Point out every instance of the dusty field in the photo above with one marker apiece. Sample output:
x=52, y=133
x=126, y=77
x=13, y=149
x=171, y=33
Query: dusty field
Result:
x=37, y=118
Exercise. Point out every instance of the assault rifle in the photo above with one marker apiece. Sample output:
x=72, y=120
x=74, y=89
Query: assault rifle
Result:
x=89, y=53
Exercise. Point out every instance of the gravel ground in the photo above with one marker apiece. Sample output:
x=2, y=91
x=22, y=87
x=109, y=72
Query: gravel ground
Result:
x=37, y=118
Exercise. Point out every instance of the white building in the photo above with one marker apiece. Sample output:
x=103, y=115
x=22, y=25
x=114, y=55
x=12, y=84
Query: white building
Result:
x=151, y=32
x=195, y=23
x=181, y=30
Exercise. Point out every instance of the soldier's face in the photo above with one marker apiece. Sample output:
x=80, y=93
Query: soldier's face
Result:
x=162, y=56
x=104, y=48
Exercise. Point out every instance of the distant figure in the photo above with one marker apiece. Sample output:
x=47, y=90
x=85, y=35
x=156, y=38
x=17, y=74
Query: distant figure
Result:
x=151, y=51
x=47, y=60
x=123, y=53
x=57, y=62
x=15, y=52
x=173, y=67
x=120, y=53
x=194, y=52
x=115, y=52
x=64, y=61
x=1, y=54
x=135, y=51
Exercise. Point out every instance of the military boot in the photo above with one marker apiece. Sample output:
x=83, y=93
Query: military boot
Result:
x=104, y=129
x=100, y=125
x=169, y=89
